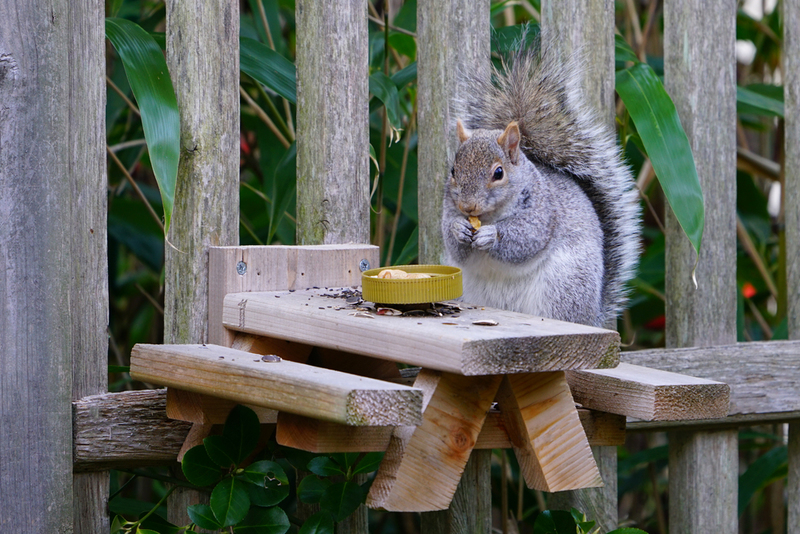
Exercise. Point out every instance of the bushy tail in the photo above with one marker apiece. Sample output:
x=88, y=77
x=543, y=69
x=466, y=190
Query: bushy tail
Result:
x=559, y=130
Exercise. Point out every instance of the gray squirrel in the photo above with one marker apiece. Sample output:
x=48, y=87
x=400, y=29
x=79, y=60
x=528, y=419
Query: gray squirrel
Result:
x=540, y=212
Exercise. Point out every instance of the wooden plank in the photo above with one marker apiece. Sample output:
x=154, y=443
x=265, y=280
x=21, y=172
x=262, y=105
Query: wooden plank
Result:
x=763, y=376
x=318, y=436
x=423, y=465
x=519, y=343
x=649, y=394
x=546, y=433
x=289, y=386
x=278, y=267
x=204, y=409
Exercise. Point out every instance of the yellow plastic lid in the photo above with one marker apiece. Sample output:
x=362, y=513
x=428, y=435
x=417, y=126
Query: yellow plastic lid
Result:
x=444, y=284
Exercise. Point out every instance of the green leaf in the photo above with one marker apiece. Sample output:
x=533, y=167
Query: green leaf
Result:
x=269, y=68
x=627, y=530
x=346, y=459
x=199, y=468
x=242, y=429
x=410, y=250
x=370, y=462
x=221, y=451
x=342, y=499
x=299, y=459
x=385, y=90
x=230, y=501
x=760, y=473
x=404, y=43
x=284, y=189
x=403, y=77
x=319, y=523
x=554, y=522
x=118, y=524
x=159, y=525
x=623, y=51
x=145, y=531
x=264, y=521
x=311, y=489
x=152, y=87
x=264, y=473
x=202, y=516
x=750, y=101
x=656, y=119
x=266, y=497
x=324, y=467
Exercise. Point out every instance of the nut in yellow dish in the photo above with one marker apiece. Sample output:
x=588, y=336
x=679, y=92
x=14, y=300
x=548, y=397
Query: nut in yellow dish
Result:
x=400, y=274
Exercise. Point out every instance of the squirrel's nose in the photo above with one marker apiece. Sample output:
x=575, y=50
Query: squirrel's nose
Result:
x=467, y=208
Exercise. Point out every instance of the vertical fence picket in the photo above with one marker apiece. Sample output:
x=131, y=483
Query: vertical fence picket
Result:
x=586, y=27
x=699, y=66
x=203, y=59
x=791, y=219
x=89, y=288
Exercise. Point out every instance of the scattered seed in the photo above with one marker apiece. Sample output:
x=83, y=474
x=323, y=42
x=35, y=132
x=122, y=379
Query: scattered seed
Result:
x=453, y=324
x=485, y=322
x=270, y=358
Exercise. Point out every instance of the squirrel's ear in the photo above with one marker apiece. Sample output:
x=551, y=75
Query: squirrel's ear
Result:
x=461, y=132
x=509, y=141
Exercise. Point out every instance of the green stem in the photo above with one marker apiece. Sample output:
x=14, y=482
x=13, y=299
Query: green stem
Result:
x=148, y=514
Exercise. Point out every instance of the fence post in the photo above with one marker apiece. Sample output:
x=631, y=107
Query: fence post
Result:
x=700, y=75
x=203, y=59
x=333, y=138
x=89, y=289
x=35, y=267
x=791, y=220
x=586, y=27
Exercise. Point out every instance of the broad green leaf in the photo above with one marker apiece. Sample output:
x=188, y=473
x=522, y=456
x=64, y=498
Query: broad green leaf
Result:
x=299, y=459
x=265, y=472
x=404, y=44
x=658, y=125
x=385, y=90
x=284, y=189
x=146, y=531
x=370, y=462
x=199, y=468
x=242, y=429
x=264, y=521
x=118, y=524
x=152, y=87
x=750, y=101
x=627, y=530
x=319, y=523
x=554, y=522
x=202, y=516
x=269, y=68
x=410, y=250
x=623, y=51
x=760, y=473
x=403, y=77
x=346, y=459
x=230, y=501
x=266, y=496
x=221, y=450
x=159, y=525
x=311, y=489
x=324, y=467
x=342, y=499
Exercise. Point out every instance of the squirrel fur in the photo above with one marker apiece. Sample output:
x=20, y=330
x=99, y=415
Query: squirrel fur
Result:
x=560, y=217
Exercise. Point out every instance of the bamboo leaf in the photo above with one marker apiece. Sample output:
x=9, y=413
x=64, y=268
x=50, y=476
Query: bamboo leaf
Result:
x=152, y=88
x=748, y=100
x=269, y=68
x=385, y=90
x=656, y=119
x=760, y=473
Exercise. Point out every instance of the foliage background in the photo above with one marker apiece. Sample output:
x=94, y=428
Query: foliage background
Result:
x=136, y=246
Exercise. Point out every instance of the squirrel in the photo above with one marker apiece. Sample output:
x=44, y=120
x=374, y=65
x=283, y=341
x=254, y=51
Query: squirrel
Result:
x=556, y=212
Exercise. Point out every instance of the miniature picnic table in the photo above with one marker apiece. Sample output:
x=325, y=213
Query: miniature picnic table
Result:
x=336, y=387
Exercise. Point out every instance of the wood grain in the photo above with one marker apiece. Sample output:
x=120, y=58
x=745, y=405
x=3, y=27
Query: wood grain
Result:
x=546, y=433
x=649, y=394
x=520, y=343
x=294, y=387
x=423, y=465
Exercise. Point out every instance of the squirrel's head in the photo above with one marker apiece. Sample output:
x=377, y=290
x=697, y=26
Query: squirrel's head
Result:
x=484, y=165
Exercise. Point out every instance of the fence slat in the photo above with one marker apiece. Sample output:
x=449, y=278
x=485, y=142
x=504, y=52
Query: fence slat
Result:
x=35, y=268
x=332, y=123
x=203, y=59
x=699, y=66
x=89, y=288
x=586, y=27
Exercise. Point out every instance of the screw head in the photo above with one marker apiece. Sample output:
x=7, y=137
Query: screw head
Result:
x=364, y=265
x=241, y=268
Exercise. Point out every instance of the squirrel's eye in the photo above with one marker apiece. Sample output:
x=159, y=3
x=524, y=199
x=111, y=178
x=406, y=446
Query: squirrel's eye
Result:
x=498, y=174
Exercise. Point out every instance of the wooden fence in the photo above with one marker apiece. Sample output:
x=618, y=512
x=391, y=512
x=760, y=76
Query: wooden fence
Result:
x=53, y=280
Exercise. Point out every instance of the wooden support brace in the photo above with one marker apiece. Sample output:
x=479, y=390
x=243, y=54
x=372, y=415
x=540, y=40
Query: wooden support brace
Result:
x=242, y=377
x=649, y=394
x=423, y=464
x=546, y=433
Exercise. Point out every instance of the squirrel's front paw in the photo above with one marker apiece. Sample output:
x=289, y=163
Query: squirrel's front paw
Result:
x=462, y=231
x=485, y=237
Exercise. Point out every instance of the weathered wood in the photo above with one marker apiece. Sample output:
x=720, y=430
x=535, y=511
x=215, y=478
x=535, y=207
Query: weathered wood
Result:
x=124, y=430
x=520, y=343
x=238, y=269
x=36, y=236
x=793, y=480
x=332, y=123
x=649, y=394
x=89, y=288
x=205, y=409
x=700, y=75
x=423, y=465
x=283, y=385
x=318, y=436
x=546, y=433
x=763, y=376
